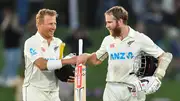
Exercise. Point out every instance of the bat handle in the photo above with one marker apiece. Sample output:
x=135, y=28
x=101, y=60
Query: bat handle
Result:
x=80, y=46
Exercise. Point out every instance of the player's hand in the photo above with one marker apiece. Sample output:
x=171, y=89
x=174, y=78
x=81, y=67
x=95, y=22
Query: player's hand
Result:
x=81, y=59
x=150, y=84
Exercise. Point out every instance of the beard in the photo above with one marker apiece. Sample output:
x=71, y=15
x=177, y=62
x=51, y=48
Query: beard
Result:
x=116, y=31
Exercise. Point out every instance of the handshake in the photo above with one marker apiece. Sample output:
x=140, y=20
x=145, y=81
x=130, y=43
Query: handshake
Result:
x=149, y=84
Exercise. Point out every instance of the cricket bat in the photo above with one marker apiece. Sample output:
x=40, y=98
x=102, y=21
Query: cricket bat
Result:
x=80, y=78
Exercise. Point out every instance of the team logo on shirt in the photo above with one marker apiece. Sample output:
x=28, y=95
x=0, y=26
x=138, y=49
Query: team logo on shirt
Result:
x=121, y=56
x=43, y=49
x=130, y=42
x=55, y=48
x=112, y=45
x=50, y=58
x=32, y=51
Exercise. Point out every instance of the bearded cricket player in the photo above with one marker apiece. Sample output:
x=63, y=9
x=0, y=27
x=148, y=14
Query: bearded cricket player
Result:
x=122, y=47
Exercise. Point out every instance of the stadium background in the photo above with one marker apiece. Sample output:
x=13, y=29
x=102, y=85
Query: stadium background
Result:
x=91, y=17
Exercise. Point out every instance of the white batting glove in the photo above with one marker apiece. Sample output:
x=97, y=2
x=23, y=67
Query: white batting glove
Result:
x=140, y=86
x=150, y=84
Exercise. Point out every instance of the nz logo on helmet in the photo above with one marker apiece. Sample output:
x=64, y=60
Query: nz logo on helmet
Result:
x=121, y=56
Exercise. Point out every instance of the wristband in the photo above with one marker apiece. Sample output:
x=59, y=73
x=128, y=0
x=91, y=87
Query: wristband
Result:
x=54, y=64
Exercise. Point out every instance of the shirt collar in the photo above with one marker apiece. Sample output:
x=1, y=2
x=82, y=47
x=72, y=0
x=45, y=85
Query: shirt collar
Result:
x=131, y=32
x=41, y=38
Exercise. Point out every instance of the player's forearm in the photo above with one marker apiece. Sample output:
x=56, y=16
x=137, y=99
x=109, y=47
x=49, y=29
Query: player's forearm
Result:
x=41, y=63
x=163, y=63
x=69, y=61
x=44, y=64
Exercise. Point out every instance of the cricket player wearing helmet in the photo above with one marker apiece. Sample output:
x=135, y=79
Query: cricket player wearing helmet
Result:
x=41, y=52
x=121, y=47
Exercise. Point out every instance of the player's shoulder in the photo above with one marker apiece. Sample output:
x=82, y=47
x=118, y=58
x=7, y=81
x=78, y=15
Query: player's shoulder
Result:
x=140, y=35
x=32, y=40
x=108, y=37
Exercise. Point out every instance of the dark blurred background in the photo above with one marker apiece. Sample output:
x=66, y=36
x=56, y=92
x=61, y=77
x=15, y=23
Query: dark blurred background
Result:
x=159, y=19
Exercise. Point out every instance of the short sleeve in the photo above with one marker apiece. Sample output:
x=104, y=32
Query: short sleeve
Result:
x=101, y=53
x=32, y=50
x=150, y=47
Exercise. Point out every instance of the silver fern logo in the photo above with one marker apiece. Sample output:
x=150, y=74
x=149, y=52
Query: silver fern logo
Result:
x=130, y=42
x=55, y=48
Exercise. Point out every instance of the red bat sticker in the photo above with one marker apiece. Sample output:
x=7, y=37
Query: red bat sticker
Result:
x=79, y=76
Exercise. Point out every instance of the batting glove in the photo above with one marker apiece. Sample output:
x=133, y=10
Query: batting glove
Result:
x=150, y=84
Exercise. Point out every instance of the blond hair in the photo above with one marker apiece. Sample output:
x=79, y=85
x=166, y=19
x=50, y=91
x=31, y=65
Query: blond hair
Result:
x=119, y=13
x=42, y=12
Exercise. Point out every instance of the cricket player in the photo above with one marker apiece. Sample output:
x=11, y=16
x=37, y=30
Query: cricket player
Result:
x=41, y=52
x=121, y=47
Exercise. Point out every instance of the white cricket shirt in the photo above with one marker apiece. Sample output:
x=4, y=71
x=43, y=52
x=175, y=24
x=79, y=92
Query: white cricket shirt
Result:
x=121, y=54
x=34, y=48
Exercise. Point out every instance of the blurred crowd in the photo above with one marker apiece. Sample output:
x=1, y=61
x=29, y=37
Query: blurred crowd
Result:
x=159, y=19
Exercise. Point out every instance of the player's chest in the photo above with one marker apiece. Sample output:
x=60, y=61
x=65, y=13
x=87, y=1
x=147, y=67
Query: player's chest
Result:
x=49, y=52
x=122, y=50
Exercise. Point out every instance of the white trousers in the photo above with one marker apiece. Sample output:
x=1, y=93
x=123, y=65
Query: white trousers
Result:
x=31, y=93
x=120, y=92
x=66, y=92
